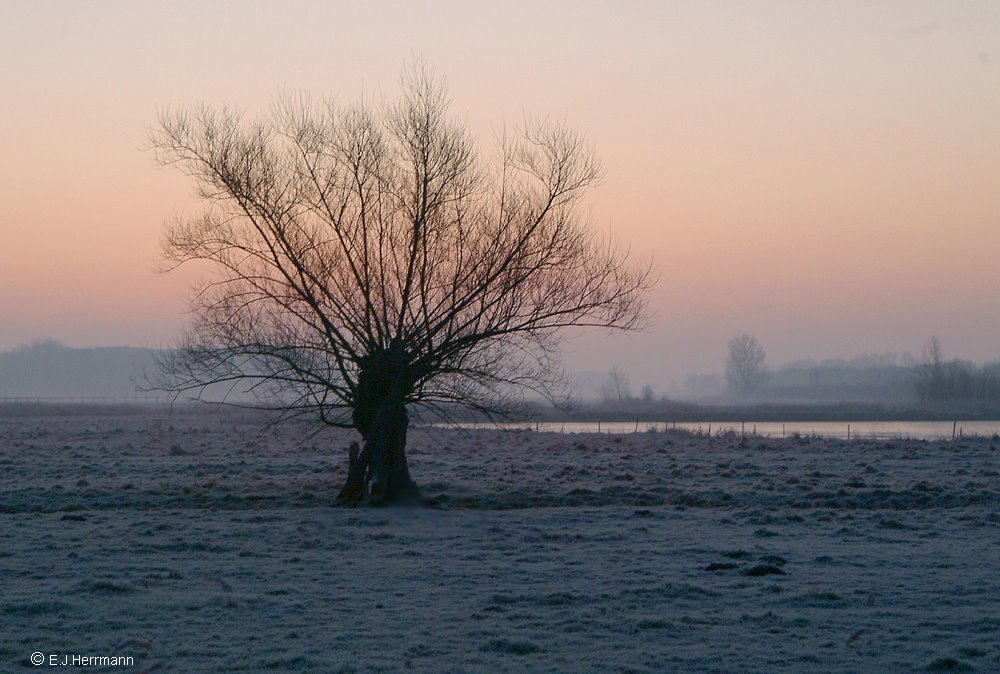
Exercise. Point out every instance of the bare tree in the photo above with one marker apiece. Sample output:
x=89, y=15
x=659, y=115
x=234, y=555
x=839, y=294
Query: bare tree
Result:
x=933, y=353
x=617, y=387
x=931, y=380
x=745, y=367
x=369, y=262
x=647, y=393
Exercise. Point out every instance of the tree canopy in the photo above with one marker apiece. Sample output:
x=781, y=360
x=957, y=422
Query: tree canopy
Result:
x=746, y=367
x=360, y=253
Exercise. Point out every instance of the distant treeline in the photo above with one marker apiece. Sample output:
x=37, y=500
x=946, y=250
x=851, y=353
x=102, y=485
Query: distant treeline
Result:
x=874, y=379
x=958, y=380
x=47, y=368
x=869, y=378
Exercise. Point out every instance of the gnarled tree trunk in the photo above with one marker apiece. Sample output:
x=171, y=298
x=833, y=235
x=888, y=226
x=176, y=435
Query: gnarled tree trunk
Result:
x=378, y=473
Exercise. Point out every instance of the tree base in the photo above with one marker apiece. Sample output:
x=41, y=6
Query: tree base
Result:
x=358, y=490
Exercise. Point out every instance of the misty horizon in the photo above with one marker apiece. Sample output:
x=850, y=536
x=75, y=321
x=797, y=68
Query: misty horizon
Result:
x=101, y=371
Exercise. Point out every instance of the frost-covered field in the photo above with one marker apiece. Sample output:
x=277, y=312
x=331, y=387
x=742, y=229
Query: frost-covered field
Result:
x=195, y=542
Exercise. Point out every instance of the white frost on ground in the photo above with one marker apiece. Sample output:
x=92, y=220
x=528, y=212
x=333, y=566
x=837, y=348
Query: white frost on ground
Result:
x=197, y=543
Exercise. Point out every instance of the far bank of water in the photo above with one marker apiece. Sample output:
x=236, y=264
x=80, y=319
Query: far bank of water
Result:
x=919, y=430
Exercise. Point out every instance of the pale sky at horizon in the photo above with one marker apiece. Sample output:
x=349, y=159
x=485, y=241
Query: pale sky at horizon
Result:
x=824, y=176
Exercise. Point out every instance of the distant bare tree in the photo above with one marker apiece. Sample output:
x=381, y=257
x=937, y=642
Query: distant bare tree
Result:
x=746, y=368
x=368, y=261
x=933, y=353
x=647, y=394
x=617, y=388
x=931, y=379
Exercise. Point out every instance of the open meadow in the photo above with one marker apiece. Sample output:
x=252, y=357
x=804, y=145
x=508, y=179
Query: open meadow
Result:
x=200, y=541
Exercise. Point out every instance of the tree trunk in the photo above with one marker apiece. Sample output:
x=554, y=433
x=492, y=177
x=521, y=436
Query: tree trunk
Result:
x=378, y=474
x=389, y=475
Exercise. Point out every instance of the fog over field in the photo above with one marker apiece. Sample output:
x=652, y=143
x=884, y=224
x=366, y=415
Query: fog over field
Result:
x=50, y=369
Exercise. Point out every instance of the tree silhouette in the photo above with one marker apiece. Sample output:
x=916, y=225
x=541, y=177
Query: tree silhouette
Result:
x=617, y=387
x=745, y=365
x=368, y=261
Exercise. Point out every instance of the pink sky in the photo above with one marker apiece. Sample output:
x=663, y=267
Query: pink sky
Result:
x=825, y=176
